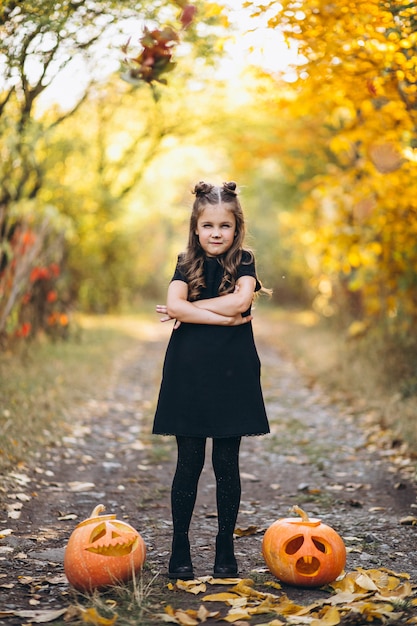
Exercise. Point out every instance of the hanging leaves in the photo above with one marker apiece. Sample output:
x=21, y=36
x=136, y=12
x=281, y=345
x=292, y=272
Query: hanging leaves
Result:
x=157, y=48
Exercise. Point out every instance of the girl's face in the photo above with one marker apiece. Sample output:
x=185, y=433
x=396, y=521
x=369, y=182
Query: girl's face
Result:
x=216, y=228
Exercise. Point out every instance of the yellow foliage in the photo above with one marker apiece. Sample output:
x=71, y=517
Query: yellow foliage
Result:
x=353, y=113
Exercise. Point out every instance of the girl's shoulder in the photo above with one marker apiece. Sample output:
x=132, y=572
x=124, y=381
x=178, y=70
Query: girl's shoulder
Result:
x=247, y=257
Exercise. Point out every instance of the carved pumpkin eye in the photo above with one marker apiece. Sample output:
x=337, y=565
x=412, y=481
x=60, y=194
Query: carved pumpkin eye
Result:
x=303, y=552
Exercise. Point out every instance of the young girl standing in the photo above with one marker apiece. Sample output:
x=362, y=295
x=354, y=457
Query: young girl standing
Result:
x=211, y=375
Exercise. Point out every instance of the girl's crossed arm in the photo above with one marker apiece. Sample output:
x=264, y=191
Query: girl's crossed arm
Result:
x=232, y=303
x=179, y=308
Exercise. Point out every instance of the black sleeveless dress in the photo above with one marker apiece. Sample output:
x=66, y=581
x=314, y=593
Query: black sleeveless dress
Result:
x=211, y=375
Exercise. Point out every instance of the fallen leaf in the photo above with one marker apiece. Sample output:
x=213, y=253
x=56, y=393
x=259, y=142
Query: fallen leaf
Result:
x=235, y=615
x=409, y=520
x=91, y=616
x=330, y=618
x=251, y=477
x=400, y=593
x=224, y=581
x=272, y=583
x=203, y=614
x=246, y=532
x=40, y=616
x=59, y=579
x=223, y=596
x=25, y=580
x=14, y=510
x=22, y=479
x=191, y=586
x=185, y=619
x=245, y=588
x=80, y=486
x=346, y=597
x=365, y=582
x=23, y=497
x=5, y=533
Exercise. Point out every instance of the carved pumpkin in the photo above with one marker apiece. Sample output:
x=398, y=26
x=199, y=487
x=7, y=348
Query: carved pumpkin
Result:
x=303, y=551
x=102, y=551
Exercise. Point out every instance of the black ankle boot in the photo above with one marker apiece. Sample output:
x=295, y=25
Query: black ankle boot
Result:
x=180, y=565
x=225, y=562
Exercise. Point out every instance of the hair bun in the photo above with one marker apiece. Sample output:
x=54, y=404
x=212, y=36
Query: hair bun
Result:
x=202, y=188
x=230, y=187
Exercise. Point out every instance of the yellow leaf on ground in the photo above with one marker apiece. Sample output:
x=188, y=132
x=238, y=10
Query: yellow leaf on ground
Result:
x=185, y=619
x=203, y=614
x=223, y=581
x=246, y=532
x=346, y=597
x=330, y=618
x=191, y=586
x=365, y=582
x=235, y=615
x=244, y=588
x=272, y=583
x=223, y=596
x=401, y=592
x=91, y=616
x=400, y=575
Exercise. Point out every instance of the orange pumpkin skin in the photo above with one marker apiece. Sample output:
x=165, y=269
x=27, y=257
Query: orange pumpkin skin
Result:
x=303, y=552
x=102, y=551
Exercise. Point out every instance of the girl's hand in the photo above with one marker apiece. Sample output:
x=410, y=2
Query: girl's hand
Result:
x=238, y=320
x=162, y=308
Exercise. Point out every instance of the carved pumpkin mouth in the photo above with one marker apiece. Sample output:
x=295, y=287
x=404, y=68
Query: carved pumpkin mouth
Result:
x=113, y=542
x=307, y=565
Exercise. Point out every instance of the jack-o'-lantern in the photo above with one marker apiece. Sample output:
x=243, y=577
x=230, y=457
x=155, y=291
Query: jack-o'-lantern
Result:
x=103, y=551
x=303, y=551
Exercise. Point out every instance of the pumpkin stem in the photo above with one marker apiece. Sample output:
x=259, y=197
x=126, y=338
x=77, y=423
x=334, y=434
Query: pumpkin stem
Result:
x=97, y=510
x=303, y=514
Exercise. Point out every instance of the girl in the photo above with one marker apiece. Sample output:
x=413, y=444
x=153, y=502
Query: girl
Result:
x=211, y=375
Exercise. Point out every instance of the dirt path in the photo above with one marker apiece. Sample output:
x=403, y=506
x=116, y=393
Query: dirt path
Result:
x=317, y=456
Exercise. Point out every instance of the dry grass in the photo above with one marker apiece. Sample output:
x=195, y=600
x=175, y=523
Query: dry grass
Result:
x=40, y=383
x=376, y=373
x=42, y=380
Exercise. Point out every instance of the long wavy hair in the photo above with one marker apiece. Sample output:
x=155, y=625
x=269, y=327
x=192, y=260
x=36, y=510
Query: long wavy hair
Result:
x=192, y=261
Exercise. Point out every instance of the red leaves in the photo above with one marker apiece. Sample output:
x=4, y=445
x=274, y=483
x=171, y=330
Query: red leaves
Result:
x=187, y=15
x=371, y=87
x=155, y=57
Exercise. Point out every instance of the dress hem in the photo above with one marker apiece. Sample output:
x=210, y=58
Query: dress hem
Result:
x=212, y=436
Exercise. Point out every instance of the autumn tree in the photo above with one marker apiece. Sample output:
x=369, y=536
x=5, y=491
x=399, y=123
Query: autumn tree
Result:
x=39, y=40
x=354, y=109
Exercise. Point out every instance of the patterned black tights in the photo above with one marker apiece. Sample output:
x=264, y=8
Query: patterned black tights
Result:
x=225, y=459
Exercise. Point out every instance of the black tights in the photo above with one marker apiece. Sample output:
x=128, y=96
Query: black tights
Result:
x=225, y=459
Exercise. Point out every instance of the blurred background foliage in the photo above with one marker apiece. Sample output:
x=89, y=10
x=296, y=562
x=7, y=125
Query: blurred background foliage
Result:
x=111, y=111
